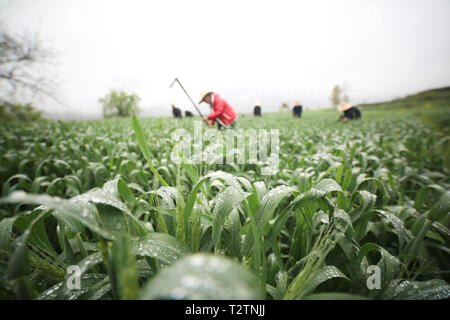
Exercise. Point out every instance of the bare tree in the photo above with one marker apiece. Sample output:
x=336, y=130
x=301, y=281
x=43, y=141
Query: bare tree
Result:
x=24, y=68
x=340, y=94
x=335, y=96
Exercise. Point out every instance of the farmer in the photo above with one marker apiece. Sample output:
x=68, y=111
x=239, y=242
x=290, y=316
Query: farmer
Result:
x=297, y=110
x=351, y=112
x=223, y=113
x=257, y=110
x=176, y=112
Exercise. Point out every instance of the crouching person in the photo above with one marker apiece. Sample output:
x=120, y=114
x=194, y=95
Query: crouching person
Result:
x=176, y=112
x=350, y=112
x=222, y=112
x=257, y=110
x=297, y=110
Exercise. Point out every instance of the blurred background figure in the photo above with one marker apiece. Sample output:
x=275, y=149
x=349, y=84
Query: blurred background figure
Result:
x=350, y=112
x=188, y=114
x=176, y=112
x=257, y=110
x=297, y=110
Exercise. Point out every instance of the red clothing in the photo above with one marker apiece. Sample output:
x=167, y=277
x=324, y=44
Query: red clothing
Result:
x=223, y=112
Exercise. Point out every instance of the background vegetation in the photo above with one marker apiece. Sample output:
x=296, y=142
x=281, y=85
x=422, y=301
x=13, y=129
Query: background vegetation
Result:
x=118, y=103
x=27, y=112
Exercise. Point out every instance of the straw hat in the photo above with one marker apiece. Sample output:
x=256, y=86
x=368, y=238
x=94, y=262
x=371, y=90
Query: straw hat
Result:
x=297, y=103
x=344, y=106
x=203, y=94
x=257, y=104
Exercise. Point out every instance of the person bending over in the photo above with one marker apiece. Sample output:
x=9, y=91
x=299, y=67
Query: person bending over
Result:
x=297, y=110
x=350, y=112
x=222, y=112
x=257, y=110
x=176, y=112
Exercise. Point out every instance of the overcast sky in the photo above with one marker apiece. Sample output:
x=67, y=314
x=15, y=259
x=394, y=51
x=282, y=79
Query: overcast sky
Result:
x=248, y=51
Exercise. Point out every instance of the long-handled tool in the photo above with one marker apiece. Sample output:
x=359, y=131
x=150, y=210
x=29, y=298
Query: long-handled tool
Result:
x=176, y=80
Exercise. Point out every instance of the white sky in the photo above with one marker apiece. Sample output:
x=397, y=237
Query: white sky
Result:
x=248, y=51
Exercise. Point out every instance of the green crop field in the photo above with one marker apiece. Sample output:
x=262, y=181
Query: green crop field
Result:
x=98, y=210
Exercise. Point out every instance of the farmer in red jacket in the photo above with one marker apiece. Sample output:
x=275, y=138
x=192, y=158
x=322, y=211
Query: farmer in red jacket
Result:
x=223, y=113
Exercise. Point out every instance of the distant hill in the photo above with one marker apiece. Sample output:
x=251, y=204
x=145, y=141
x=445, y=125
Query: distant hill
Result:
x=431, y=98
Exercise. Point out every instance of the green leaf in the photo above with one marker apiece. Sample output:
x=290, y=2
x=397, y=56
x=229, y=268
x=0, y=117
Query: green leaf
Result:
x=365, y=249
x=235, y=227
x=123, y=269
x=277, y=227
x=19, y=265
x=125, y=193
x=367, y=201
x=399, y=227
x=164, y=248
x=66, y=210
x=106, y=200
x=226, y=201
x=6, y=237
x=441, y=208
x=203, y=277
x=328, y=185
x=193, y=195
x=265, y=212
x=324, y=274
x=142, y=142
x=435, y=289
x=190, y=170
